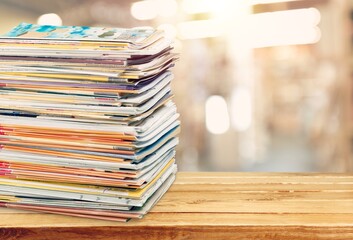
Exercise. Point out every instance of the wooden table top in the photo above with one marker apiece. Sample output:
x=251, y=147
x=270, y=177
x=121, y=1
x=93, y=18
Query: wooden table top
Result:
x=216, y=206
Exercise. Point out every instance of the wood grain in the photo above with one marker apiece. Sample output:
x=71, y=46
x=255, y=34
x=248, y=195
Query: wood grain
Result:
x=216, y=206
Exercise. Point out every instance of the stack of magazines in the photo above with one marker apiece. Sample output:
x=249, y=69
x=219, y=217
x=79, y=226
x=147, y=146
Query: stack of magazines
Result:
x=87, y=123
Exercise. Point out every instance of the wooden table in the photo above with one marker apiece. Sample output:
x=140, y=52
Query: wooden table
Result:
x=216, y=206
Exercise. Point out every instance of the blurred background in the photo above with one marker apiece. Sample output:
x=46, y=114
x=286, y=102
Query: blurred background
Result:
x=261, y=85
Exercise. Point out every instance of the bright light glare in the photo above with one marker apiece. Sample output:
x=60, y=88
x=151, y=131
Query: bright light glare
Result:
x=241, y=109
x=144, y=10
x=218, y=9
x=217, y=117
x=169, y=30
x=254, y=2
x=200, y=29
x=200, y=6
x=284, y=28
x=50, y=19
x=167, y=8
x=150, y=9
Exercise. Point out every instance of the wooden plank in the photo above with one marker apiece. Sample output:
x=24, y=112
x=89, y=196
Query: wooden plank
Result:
x=183, y=226
x=181, y=233
x=265, y=187
x=257, y=203
x=261, y=196
x=262, y=182
x=262, y=178
x=216, y=206
x=267, y=175
x=229, y=206
x=38, y=220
